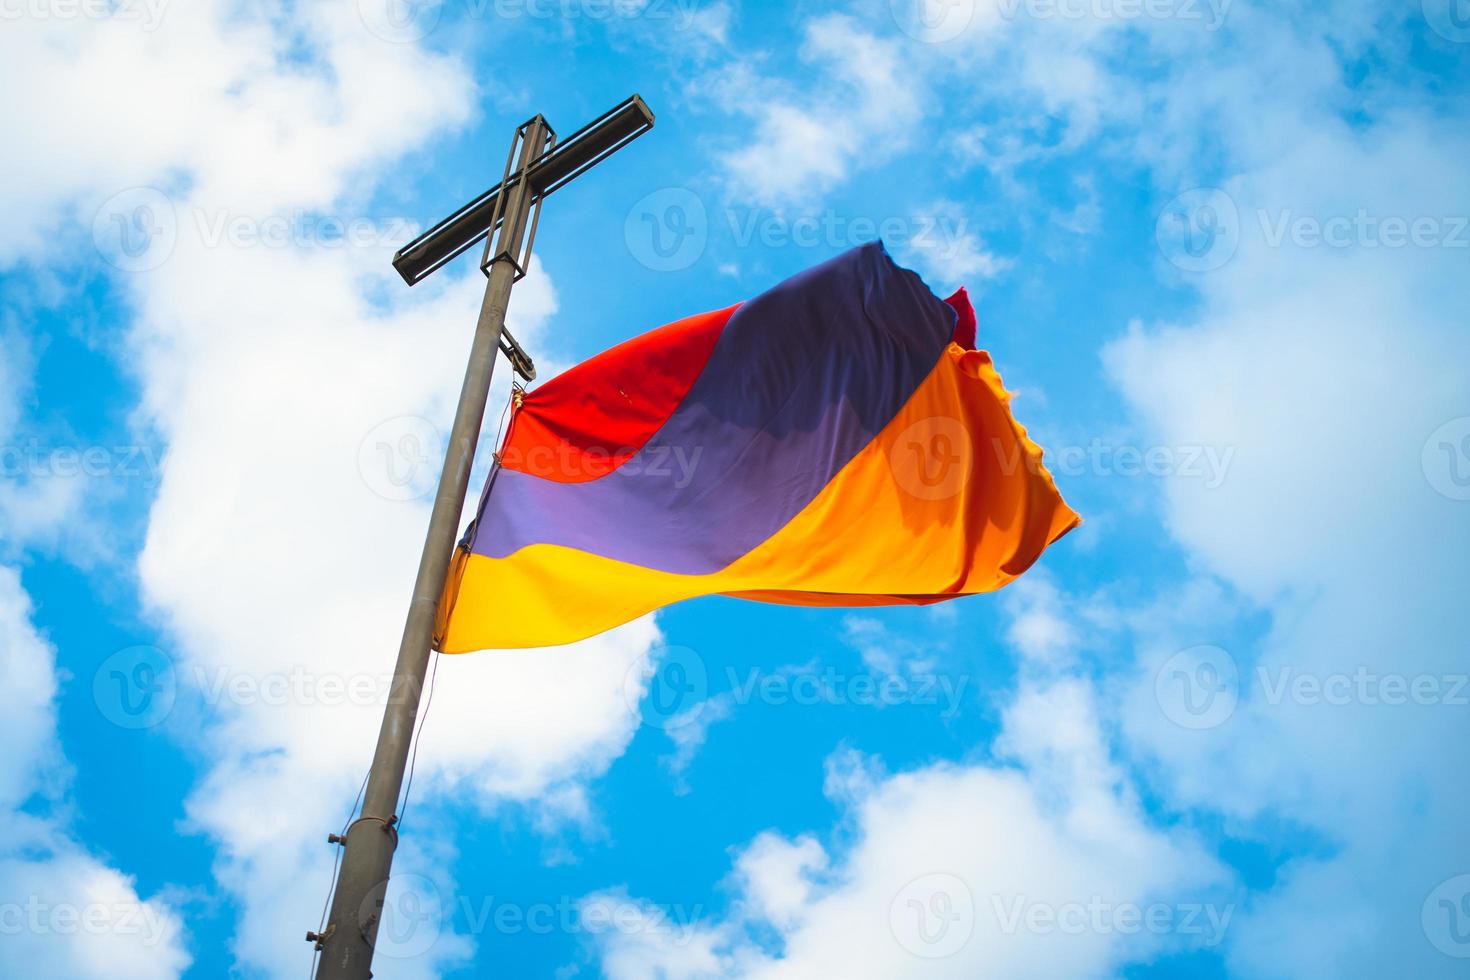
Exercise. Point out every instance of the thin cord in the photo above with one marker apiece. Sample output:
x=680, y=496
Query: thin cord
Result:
x=413, y=759
x=434, y=673
x=503, y=413
x=336, y=860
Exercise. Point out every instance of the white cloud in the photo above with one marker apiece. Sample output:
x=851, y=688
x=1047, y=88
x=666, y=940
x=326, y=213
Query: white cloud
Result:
x=950, y=254
x=35, y=510
x=1328, y=367
x=28, y=682
x=1040, y=630
x=1042, y=863
x=806, y=139
x=1324, y=368
x=39, y=491
x=688, y=730
x=274, y=554
x=259, y=125
x=63, y=913
x=886, y=652
x=962, y=871
x=271, y=550
x=644, y=940
x=69, y=916
x=776, y=877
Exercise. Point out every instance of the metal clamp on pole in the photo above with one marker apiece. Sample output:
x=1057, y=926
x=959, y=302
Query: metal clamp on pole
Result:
x=517, y=356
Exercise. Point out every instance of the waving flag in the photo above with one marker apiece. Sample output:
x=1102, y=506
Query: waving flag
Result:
x=836, y=441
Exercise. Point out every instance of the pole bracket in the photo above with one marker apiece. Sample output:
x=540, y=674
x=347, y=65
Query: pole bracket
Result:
x=516, y=354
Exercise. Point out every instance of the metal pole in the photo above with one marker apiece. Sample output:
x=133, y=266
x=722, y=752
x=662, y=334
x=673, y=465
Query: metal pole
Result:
x=347, y=942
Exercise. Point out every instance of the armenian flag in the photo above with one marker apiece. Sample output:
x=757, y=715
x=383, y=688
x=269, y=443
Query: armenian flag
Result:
x=838, y=440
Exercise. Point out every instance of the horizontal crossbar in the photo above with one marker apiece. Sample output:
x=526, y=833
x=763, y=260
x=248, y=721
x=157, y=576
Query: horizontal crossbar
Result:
x=554, y=169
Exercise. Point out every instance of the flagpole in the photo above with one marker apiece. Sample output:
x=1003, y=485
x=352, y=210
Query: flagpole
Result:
x=347, y=942
x=537, y=165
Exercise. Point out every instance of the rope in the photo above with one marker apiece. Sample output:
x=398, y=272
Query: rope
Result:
x=517, y=393
x=336, y=860
x=418, y=735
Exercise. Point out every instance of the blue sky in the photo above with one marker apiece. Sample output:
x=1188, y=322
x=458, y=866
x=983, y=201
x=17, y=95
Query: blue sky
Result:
x=1219, y=251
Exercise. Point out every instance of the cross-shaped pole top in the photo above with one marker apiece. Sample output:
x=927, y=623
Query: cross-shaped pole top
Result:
x=557, y=165
x=537, y=165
